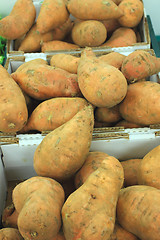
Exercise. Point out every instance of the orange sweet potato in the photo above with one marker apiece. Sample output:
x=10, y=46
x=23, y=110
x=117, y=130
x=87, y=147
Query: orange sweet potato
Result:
x=141, y=104
x=138, y=211
x=57, y=45
x=120, y=233
x=110, y=115
x=132, y=13
x=52, y=14
x=127, y=124
x=10, y=216
x=89, y=33
x=113, y=58
x=54, y=112
x=33, y=39
x=65, y=61
x=111, y=25
x=140, y=64
x=149, y=169
x=100, y=83
x=60, y=155
x=38, y=201
x=10, y=234
x=42, y=81
x=13, y=108
x=121, y=37
x=19, y=21
x=102, y=124
x=92, y=162
x=131, y=169
x=94, y=10
x=90, y=211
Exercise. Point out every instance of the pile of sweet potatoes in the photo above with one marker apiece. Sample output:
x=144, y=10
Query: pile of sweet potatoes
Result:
x=83, y=194
x=45, y=94
x=62, y=25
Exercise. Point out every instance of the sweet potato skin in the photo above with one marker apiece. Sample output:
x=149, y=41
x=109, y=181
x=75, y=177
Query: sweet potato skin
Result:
x=42, y=82
x=141, y=104
x=65, y=61
x=89, y=33
x=114, y=58
x=61, y=144
x=138, y=211
x=54, y=112
x=120, y=233
x=100, y=10
x=99, y=81
x=9, y=217
x=19, y=21
x=148, y=172
x=92, y=162
x=13, y=108
x=52, y=14
x=10, y=233
x=140, y=64
x=108, y=115
x=132, y=13
x=131, y=169
x=87, y=212
x=121, y=37
x=39, y=207
x=57, y=45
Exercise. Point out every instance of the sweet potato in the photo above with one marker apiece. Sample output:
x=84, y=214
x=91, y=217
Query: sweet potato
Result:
x=100, y=83
x=92, y=162
x=111, y=115
x=61, y=32
x=42, y=81
x=89, y=212
x=141, y=104
x=57, y=45
x=19, y=21
x=59, y=236
x=10, y=216
x=121, y=37
x=132, y=13
x=65, y=61
x=120, y=233
x=33, y=39
x=13, y=108
x=60, y=155
x=38, y=201
x=102, y=124
x=94, y=10
x=111, y=25
x=113, y=58
x=131, y=169
x=149, y=169
x=31, y=63
x=89, y=33
x=10, y=234
x=54, y=112
x=52, y=14
x=138, y=211
x=126, y=124
x=140, y=64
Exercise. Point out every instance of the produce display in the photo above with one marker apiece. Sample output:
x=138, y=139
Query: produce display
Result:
x=52, y=92
x=108, y=202
x=76, y=193
x=75, y=24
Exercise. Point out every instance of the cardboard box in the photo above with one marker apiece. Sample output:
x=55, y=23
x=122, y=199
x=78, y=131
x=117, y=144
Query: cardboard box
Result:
x=142, y=28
